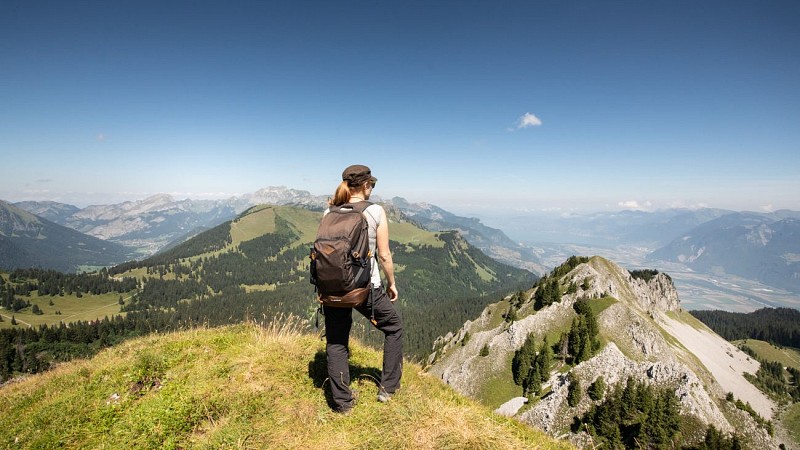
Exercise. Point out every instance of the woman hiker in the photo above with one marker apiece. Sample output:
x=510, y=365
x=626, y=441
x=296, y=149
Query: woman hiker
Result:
x=356, y=186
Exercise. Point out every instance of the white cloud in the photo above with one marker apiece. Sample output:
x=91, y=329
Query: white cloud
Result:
x=528, y=120
x=634, y=204
x=100, y=137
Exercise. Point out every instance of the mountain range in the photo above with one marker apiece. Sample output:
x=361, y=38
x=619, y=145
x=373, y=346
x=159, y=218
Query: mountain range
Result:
x=27, y=240
x=755, y=246
x=604, y=228
x=764, y=247
x=159, y=222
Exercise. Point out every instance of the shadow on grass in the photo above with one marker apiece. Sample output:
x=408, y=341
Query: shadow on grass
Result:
x=318, y=372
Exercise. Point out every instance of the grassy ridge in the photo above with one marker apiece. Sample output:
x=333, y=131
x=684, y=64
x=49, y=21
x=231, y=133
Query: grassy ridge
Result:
x=260, y=220
x=241, y=386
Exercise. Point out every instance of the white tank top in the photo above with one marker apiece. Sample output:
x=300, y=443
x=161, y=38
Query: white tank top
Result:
x=373, y=214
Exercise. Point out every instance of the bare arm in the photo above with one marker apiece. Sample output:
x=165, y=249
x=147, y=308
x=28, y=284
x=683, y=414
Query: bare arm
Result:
x=385, y=256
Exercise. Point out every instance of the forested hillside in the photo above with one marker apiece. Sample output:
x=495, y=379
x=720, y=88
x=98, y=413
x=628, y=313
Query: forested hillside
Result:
x=776, y=325
x=443, y=282
x=257, y=267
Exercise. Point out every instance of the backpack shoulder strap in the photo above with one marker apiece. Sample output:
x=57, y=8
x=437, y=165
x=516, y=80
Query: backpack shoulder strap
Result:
x=360, y=206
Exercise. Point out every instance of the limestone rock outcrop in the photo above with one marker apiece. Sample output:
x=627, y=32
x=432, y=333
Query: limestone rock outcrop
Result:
x=638, y=345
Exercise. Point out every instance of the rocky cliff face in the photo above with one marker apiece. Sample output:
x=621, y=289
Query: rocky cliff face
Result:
x=637, y=346
x=616, y=368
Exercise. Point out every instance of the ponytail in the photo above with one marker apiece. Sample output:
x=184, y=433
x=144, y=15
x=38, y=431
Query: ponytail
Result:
x=341, y=196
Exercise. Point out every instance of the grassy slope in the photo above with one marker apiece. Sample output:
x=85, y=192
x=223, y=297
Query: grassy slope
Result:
x=88, y=307
x=791, y=420
x=790, y=357
x=787, y=356
x=261, y=220
x=240, y=387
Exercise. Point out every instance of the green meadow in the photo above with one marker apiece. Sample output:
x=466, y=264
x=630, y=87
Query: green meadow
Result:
x=71, y=308
x=789, y=357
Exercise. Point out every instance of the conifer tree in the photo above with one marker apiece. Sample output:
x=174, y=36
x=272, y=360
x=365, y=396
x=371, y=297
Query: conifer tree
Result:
x=598, y=389
x=521, y=363
x=574, y=393
x=511, y=315
x=563, y=346
x=544, y=360
x=539, y=371
x=531, y=384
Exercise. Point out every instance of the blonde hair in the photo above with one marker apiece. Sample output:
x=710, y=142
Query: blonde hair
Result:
x=343, y=193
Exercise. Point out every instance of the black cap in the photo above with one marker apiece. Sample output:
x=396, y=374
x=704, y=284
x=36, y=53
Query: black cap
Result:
x=357, y=174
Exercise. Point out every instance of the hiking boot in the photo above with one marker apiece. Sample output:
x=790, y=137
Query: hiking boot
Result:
x=346, y=408
x=384, y=396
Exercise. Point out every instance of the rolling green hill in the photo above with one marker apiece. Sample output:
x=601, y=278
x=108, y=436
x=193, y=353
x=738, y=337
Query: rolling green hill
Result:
x=257, y=264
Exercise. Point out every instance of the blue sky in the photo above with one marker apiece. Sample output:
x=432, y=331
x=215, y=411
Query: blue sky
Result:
x=472, y=106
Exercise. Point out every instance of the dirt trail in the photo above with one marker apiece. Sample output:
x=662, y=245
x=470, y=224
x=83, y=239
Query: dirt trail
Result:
x=6, y=317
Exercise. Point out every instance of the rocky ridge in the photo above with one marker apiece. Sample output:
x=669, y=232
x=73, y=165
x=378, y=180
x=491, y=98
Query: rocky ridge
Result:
x=637, y=346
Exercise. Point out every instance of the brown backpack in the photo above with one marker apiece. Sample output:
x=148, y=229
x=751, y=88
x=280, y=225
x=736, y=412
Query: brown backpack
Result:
x=340, y=258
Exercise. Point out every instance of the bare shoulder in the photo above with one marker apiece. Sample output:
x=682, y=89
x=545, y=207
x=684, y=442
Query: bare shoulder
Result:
x=376, y=211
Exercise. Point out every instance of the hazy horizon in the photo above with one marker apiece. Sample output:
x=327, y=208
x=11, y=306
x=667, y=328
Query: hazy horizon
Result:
x=480, y=211
x=470, y=106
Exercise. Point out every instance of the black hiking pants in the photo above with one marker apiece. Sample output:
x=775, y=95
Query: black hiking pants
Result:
x=337, y=331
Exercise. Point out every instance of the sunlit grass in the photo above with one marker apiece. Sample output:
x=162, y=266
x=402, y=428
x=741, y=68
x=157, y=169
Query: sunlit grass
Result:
x=407, y=233
x=73, y=309
x=791, y=420
x=789, y=357
x=258, y=222
x=243, y=386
